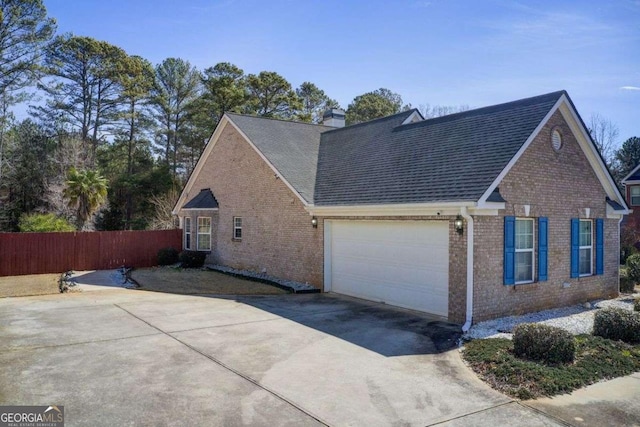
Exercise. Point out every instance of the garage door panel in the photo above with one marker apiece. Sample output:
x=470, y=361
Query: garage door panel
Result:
x=403, y=263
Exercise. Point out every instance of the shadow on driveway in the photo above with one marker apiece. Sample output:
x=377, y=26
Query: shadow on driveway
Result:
x=386, y=330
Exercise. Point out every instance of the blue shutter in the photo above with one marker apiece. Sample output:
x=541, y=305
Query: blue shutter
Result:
x=509, y=250
x=543, y=227
x=599, y=246
x=575, y=247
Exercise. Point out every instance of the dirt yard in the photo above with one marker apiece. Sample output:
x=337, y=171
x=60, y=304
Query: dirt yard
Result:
x=32, y=284
x=194, y=282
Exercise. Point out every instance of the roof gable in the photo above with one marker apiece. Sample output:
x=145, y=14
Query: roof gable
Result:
x=633, y=176
x=203, y=200
x=291, y=147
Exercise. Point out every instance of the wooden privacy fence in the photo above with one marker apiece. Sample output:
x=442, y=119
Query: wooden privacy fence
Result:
x=39, y=253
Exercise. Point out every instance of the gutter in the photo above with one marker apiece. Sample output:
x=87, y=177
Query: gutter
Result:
x=469, y=316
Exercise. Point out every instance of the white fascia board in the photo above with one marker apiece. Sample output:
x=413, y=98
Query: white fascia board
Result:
x=200, y=164
x=624, y=180
x=273, y=168
x=633, y=181
x=514, y=159
x=412, y=209
x=612, y=213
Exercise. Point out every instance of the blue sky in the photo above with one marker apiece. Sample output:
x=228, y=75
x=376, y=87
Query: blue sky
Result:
x=476, y=53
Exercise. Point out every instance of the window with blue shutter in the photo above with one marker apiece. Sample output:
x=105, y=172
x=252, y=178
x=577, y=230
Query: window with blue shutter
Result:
x=599, y=246
x=509, y=250
x=543, y=227
x=575, y=247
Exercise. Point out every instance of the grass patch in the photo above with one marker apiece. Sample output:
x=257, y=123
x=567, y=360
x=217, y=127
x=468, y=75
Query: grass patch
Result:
x=596, y=359
x=198, y=282
x=31, y=284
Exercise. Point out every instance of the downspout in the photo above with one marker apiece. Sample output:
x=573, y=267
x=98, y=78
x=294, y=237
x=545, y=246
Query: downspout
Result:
x=619, y=232
x=469, y=318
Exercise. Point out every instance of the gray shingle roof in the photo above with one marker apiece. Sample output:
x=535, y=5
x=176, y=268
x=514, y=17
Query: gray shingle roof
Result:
x=450, y=158
x=203, y=200
x=446, y=159
x=291, y=147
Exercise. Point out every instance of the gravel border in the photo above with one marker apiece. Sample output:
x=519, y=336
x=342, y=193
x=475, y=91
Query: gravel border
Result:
x=577, y=319
x=289, y=285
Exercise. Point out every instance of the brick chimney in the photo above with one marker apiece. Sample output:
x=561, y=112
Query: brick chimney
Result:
x=333, y=117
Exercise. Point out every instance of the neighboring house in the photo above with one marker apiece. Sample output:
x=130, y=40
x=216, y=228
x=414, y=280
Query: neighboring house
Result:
x=489, y=212
x=631, y=184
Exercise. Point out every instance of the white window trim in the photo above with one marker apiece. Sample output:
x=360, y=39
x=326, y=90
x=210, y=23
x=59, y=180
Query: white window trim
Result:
x=188, y=231
x=590, y=247
x=202, y=234
x=235, y=227
x=631, y=196
x=532, y=250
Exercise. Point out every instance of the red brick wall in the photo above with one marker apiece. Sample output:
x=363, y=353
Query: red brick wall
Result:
x=277, y=236
x=559, y=186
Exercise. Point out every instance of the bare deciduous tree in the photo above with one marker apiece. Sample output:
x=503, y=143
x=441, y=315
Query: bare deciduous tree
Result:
x=605, y=134
x=163, y=219
x=430, y=112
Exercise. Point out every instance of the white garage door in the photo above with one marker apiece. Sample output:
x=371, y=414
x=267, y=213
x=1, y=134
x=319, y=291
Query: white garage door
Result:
x=402, y=263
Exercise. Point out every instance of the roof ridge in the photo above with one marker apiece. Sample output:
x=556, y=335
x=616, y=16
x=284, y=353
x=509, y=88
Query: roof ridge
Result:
x=487, y=109
x=379, y=119
x=254, y=116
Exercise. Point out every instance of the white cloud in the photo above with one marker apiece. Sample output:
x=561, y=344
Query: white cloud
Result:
x=630, y=88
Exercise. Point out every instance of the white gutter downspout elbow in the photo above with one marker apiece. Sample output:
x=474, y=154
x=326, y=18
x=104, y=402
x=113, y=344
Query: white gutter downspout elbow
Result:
x=469, y=317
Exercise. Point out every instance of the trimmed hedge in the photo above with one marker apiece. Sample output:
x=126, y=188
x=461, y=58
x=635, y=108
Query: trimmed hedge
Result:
x=617, y=324
x=636, y=304
x=167, y=256
x=192, y=259
x=543, y=343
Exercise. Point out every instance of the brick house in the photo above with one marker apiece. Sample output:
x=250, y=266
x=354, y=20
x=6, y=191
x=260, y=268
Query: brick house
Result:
x=631, y=223
x=489, y=212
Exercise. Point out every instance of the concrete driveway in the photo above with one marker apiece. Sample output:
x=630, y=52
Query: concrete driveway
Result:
x=127, y=357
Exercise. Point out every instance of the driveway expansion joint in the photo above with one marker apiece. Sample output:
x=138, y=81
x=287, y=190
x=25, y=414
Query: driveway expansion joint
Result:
x=471, y=413
x=230, y=369
x=29, y=348
x=556, y=419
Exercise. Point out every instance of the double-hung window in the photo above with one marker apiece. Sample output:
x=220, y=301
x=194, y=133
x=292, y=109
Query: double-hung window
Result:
x=586, y=247
x=526, y=247
x=204, y=233
x=635, y=195
x=187, y=232
x=524, y=263
x=237, y=228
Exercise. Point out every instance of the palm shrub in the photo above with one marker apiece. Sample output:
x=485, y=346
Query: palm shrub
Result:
x=86, y=190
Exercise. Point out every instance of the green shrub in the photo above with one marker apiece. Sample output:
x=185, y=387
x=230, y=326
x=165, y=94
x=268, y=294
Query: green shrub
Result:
x=626, y=285
x=617, y=324
x=167, y=256
x=636, y=304
x=543, y=343
x=633, y=269
x=41, y=223
x=192, y=259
